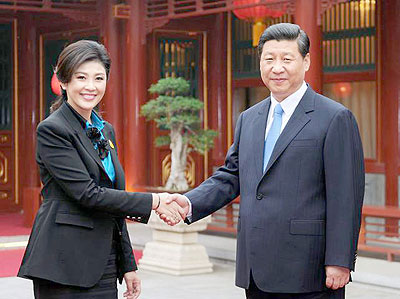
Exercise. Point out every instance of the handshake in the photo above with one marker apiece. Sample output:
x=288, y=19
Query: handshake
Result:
x=171, y=208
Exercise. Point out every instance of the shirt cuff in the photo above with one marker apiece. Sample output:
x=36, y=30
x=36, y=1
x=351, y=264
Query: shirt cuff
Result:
x=189, y=214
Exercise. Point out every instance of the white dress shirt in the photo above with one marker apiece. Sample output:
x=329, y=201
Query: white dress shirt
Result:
x=288, y=106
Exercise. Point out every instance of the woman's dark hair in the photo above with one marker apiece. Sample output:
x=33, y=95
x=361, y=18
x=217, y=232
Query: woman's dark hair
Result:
x=72, y=57
x=285, y=31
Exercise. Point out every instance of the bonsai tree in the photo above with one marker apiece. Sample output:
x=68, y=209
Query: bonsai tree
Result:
x=179, y=113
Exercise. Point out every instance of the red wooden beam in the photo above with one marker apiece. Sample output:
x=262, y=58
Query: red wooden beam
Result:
x=349, y=77
x=382, y=211
x=174, y=10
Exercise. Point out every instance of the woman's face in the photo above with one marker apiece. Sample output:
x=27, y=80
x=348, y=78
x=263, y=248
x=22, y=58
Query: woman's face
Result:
x=86, y=87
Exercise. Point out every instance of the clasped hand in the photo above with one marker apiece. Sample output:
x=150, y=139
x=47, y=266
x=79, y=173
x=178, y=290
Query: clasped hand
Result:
x=172, y=208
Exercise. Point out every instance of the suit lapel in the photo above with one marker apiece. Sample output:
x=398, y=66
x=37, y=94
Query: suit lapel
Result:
x=80, y=133
x=296, y=122
x=258, y=131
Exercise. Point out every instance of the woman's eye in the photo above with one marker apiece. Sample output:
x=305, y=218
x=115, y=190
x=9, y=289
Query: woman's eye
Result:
x=81, y=77
x=100, y=78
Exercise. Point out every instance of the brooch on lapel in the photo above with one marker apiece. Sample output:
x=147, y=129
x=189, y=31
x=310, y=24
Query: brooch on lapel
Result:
x=111, y=144
x=102, y=144
x=103, y=148
x=94, y=134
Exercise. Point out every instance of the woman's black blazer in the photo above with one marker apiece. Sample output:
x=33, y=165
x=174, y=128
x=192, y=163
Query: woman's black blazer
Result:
x=71, y=237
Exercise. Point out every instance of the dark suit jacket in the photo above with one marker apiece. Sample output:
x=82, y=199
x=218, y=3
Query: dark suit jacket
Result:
x=304, y=212
x=71, y=238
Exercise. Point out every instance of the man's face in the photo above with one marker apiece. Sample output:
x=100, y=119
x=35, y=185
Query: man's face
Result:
x=282, y=67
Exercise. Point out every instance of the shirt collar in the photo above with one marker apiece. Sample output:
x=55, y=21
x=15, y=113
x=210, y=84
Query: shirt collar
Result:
x=97, y=121
x=290, y=103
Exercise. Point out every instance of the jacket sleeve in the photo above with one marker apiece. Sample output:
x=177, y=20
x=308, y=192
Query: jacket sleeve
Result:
x=127, y=263
x=345, y=182
x=61, y=159
x=222, y=187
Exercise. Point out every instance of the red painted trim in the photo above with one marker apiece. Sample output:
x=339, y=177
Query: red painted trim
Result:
x=135, y=95
x=306, y=15
x=387, y=211
x=372, y=166
x=112, y=103
x=200, y=8
x=389, y=31
x=248, y=82
x=349, y=77
x=217, y=90
x=28, y=111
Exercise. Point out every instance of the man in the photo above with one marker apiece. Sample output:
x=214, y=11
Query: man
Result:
x=297, y=164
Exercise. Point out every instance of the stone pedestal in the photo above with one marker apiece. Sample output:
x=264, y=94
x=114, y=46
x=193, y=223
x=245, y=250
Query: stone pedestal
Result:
x=175, y=250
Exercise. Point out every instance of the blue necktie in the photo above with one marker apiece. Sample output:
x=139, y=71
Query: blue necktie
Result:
x=273, y=135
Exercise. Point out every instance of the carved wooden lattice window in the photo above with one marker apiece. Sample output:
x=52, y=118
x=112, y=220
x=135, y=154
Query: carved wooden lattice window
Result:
x=5, y=77
x=349, y=37
x=178, y=58
x=245, y=61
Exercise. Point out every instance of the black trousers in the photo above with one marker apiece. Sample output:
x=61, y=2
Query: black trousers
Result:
x=106, y=288
x=253, y=292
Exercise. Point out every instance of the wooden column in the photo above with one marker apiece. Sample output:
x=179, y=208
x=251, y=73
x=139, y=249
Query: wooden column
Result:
x=217, y=109
x=136, y=93
x=28, y=116
x=389, y=91
x=112, y=107
x=306, y=17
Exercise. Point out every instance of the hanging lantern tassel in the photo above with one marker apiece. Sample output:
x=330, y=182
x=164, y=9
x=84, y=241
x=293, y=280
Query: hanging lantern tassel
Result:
x=258, y=29
x=55, y=85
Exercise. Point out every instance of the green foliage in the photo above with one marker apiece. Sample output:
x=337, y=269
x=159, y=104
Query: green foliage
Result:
x=169, y=86
x=203, y=140
x=162, y=140
x=174, y=108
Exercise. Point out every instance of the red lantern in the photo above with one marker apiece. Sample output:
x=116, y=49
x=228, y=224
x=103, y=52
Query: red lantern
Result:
x=342, y=90
x=256, y=15
x=55, y=85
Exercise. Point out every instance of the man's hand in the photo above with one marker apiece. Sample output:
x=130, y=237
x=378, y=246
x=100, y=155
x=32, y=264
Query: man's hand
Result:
x=181, y=200
x=172, y=212
x=336, y=277
x=176, y=199
x=133, y=285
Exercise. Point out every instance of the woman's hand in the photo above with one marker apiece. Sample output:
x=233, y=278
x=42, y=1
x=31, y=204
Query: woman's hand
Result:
x=172, y=212
x=133, y=285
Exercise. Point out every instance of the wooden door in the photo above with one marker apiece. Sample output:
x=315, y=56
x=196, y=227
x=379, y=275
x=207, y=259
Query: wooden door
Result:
x=7, y=171
x=175, y=54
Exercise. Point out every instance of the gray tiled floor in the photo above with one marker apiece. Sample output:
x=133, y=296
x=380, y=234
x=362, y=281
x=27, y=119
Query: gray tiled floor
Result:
x=216, y=285
x=220, y=284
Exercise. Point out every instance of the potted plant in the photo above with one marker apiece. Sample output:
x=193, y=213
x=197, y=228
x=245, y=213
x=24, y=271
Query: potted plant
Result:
x=178, y=112
x=175, y=250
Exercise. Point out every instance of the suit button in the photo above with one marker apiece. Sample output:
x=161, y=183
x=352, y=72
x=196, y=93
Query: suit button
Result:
x=259, y=196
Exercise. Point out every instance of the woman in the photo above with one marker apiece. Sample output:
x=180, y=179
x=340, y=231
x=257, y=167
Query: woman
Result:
x=79, y=243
